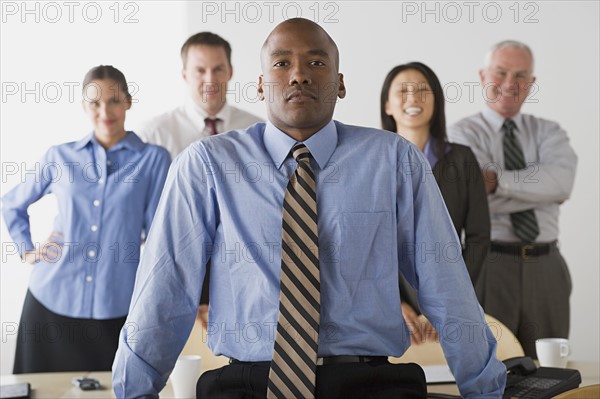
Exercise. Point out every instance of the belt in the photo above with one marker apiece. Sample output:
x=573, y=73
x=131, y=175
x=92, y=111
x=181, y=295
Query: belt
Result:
x=321, y=361
x=523, y=250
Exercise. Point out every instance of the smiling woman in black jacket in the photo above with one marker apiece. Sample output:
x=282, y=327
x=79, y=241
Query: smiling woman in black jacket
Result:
x=412, y=105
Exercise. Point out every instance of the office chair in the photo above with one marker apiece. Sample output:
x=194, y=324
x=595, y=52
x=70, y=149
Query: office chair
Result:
x=589, y=392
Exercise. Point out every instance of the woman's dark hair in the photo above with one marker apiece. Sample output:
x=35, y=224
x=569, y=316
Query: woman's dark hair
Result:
x=107, y=72
x=437, y=124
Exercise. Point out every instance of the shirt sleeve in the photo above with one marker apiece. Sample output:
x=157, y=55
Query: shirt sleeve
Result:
x=499, y=204
x=549, y=180
x=465, y=134
x=37, y=183
x=159, y=172
x=169, y=279
x=462, y=133
x=445, y=292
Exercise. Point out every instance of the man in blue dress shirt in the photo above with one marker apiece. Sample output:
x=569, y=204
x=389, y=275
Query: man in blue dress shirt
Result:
x=380, y=213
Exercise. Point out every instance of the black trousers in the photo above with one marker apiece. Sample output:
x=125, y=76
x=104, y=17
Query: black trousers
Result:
x=373, y=380
x=48, y=342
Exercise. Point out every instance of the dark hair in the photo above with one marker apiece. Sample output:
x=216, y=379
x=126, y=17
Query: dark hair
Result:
x=107, y=72
x=205, y=39
x=437, y=124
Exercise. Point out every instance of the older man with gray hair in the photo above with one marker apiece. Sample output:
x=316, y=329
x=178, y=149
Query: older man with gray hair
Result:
x=529, y=170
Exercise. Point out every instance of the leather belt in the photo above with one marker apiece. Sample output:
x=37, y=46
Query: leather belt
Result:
x=523, y=250
x=233, y=360
x=321, y=361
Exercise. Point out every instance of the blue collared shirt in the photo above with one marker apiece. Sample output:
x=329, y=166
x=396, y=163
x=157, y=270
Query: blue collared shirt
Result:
x=379, y=213
x=106, y=201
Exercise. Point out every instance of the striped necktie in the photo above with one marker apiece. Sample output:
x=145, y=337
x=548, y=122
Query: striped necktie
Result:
x=294, y=365
x=524, y=223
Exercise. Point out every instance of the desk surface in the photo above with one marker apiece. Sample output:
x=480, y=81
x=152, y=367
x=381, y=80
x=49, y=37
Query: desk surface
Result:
x=58, y=385
x=590, y=375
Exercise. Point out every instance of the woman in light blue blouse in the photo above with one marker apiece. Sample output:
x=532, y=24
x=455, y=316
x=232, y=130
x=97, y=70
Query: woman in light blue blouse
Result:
x=107, y=187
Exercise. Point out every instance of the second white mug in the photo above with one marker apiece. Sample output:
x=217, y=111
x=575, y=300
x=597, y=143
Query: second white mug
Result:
x=553, y=352
x=185, y=376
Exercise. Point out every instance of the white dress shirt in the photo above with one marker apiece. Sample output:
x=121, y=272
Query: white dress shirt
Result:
x=180, y=127
x=546, y=182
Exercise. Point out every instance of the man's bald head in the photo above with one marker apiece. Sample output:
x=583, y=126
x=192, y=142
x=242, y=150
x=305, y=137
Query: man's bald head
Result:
x=300, y=25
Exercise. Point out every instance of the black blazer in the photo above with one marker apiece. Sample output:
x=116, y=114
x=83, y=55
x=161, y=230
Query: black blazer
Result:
x=459, y=178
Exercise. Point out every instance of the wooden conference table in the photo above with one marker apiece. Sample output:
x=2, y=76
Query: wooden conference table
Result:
x=58, y=385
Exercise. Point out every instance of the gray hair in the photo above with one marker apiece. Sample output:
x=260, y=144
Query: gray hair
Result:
x=506, y=44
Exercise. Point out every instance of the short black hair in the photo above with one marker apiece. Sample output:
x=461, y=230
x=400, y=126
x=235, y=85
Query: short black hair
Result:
x=205, y=39
x=437, y=124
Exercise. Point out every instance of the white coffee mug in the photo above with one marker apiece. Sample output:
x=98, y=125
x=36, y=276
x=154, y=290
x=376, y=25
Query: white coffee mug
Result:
x=553, y=352
x=185, y=376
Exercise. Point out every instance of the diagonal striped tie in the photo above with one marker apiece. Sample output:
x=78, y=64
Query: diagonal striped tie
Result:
x=294, y=365
x=524, y=223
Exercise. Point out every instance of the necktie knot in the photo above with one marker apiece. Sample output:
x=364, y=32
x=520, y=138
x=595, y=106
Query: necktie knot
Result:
x=300, y=152
x=302, y=155
x=211, y=124
x=509, y=126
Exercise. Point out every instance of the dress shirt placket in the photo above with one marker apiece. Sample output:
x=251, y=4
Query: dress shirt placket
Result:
x=91, y=251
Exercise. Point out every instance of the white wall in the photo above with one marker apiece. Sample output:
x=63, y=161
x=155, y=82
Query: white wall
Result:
x=58, y=54
x=372, y=37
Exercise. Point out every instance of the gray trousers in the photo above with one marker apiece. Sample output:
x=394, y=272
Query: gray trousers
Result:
x=530, y=296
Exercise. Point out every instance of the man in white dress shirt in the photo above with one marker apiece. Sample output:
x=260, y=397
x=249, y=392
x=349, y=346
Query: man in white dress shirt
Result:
x=206, y=70
x=529, y=170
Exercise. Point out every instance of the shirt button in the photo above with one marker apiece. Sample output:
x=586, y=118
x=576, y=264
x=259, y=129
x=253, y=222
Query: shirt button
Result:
x=88, y=279
x=96, y=202
x=100, y=181
x=92, y=253
x=108, y=162
x=94, y=228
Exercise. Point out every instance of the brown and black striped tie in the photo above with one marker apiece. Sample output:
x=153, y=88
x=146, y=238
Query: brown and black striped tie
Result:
x=294, y=365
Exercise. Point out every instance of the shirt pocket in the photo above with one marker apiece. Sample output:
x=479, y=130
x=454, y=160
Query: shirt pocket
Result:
x=366, y=245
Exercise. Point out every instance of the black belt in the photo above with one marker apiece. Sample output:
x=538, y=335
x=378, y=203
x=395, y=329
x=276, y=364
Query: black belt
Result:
x=334, y=360
x=232, y=361
x=523, y=250
x=322, y=361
